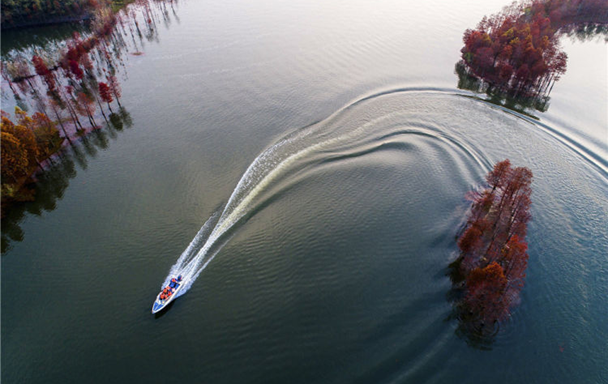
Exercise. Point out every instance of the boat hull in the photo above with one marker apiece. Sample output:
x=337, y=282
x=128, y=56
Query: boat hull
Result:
x=159, y=304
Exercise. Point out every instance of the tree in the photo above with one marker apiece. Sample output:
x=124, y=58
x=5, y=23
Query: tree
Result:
x=493, y=252
x=485, y=297
x=14, y=158
x=518, y=49
x=86, y=106
x=25, y=136
x=106, y=94
x=57, y=105
x=75, y=69
x=47, y=135
x=498, y=176
x=43, y=71
x=115, y=88
x=19, y=151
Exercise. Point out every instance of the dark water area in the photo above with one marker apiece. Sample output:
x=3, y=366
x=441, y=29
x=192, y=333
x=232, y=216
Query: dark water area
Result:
x=40, y=37
x=330, y=260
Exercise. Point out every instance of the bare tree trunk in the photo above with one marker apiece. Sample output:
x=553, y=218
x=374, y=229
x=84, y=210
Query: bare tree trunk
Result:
x=101, y=108
x=61, y=123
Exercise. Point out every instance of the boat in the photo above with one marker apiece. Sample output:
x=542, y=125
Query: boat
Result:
x=175, y=285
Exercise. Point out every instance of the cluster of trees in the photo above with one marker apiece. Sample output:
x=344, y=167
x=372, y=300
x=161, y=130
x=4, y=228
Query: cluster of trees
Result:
x=75, y=81
x=51, y=184
x=70, y=83
x=66, y=86
x=25, y=145
x=493, y=257
x=517, y=51
x=83, y=73
x=523, y=105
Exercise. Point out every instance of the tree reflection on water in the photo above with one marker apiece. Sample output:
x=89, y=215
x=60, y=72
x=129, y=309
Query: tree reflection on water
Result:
x=53, y=182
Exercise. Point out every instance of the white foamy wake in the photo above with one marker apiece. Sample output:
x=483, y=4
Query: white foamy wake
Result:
x=207, y=242
x=265, y=169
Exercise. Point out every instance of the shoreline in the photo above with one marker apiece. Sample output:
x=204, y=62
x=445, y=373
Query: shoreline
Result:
x=115, y=6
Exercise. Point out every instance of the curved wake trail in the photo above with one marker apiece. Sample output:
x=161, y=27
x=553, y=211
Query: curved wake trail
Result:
x=287, y=154
x=262, y=172
x=259, y=174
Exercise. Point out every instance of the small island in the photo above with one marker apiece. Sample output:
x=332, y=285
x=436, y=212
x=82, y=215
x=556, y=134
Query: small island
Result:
x=489, y=272
x=517, y=52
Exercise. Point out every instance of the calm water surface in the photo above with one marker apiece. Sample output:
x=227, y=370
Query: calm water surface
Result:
x=331, y=268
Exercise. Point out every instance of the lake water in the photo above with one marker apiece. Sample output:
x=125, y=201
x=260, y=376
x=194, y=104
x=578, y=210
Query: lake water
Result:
x=330, y=263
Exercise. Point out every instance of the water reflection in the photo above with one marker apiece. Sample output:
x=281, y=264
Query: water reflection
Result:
x=53, y=182
x=523, y=104
x=515, y=56
x=45, y=38
x=526, y=105
x=588, y=32
x=78, y=77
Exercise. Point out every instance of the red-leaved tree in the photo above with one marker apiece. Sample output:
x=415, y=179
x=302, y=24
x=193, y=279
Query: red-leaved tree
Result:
x=491, y=267
x=106, y=94
x=518, y=51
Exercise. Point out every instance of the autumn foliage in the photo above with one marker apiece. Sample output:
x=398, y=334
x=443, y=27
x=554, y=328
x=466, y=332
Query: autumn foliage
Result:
x=493, y=257
x=25, y=145
x=64, y=84
x=73, y=79
x=517, y=50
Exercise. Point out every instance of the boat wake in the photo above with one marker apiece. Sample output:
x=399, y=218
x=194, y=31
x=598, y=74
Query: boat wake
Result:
x=213, y=235
x=374, y=123
x=290, y=154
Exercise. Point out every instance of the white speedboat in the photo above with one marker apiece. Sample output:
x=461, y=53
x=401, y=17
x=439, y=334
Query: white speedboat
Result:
x=168, y=294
